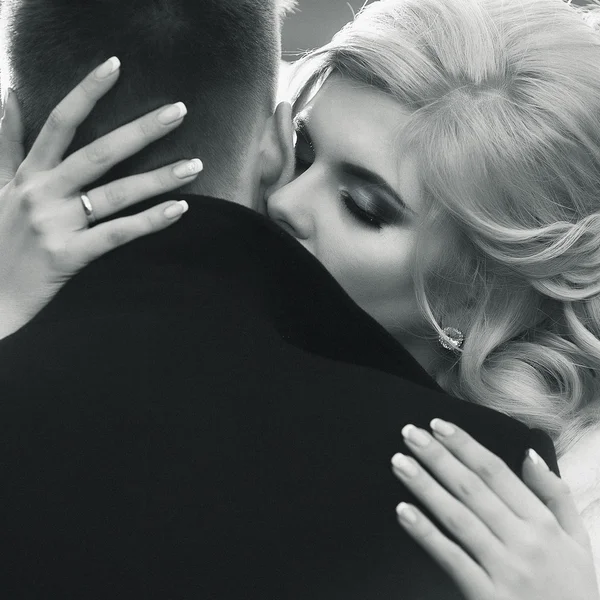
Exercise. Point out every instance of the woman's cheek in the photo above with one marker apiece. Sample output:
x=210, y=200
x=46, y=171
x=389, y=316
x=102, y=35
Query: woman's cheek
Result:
x=363, y=278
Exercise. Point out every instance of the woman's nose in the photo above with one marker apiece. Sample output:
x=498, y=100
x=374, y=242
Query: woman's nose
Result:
x=291, y=212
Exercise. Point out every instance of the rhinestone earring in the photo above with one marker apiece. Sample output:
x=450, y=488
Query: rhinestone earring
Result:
x=453, y=340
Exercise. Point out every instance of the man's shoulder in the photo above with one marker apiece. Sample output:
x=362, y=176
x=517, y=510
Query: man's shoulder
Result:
x=232, y=291
x=224, y=264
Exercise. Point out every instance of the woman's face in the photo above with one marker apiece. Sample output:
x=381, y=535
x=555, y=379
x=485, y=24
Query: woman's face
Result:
x=354, y=205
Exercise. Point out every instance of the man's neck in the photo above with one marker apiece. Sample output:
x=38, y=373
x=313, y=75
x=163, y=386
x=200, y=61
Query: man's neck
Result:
x=234, y=189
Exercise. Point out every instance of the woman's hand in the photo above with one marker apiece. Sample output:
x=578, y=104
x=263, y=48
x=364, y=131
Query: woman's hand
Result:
x=45, y=233
x=517, y=541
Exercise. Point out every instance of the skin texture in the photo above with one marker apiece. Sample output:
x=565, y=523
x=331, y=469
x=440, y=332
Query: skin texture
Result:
x=515, y=541
x=44, y=233
x=371, y=260
x=47, y=251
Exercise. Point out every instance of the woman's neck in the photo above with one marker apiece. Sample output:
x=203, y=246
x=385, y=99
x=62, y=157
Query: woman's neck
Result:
x=428, y=352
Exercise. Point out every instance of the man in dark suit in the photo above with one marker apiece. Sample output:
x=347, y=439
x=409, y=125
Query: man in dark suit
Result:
x=206, y=413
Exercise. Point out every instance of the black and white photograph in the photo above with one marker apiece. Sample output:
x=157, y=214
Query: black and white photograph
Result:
x=300, y=300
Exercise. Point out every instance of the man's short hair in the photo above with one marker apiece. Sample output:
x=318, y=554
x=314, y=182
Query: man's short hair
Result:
x=220, y=57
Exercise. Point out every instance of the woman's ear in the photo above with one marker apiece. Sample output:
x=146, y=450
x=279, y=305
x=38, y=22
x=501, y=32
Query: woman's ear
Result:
x=277, y=150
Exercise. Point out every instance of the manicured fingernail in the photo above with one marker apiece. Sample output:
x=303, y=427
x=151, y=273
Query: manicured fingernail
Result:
x=405, y=465
x=108, y=68
x=189, y=168
x=172, y=113
x=176, y=210
x=416, y=436
x=442, y=427
x=406, y=513
x=537, y=460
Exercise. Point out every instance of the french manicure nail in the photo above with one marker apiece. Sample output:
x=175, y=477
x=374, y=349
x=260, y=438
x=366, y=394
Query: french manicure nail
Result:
x=172, y=113
x=442, y=427
x=406, y=513
x=189, y=168
x=108, y=68
x=537, y=460
x=405, y=465
x=176, y=210
x=416, y=436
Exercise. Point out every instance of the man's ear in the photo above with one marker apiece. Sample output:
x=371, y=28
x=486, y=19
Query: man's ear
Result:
x=277, y=150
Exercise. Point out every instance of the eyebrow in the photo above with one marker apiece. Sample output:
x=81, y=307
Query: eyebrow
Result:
x=301, y=125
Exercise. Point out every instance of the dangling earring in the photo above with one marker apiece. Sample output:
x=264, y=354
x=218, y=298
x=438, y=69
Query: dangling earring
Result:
x=453, y=340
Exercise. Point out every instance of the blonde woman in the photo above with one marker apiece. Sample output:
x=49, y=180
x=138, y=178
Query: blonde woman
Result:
x=448, y=168
x=496, y=128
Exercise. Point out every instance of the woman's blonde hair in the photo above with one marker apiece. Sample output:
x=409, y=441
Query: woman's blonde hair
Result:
x=505, y=134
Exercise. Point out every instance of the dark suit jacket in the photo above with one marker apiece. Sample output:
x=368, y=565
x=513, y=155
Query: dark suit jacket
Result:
x=206, y=414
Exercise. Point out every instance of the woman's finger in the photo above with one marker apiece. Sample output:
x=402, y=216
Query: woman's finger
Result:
x=11, y=139
x=464, y=482
x=96, y=241
x=464, y=571
x=474, y=535
x=60, y=127
x=113, y=197
x=91, y=162
x=490, y=469
x=556, y=495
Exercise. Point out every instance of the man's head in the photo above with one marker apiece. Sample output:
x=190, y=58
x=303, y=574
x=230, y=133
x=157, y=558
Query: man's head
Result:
x=220, y=57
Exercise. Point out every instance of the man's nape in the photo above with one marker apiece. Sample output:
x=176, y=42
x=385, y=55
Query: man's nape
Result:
x=216, y=56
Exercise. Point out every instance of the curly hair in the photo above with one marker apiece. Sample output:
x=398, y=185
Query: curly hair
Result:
x=505, y=134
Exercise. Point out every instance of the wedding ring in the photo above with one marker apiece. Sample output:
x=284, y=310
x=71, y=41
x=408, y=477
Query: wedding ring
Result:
x=88, y=209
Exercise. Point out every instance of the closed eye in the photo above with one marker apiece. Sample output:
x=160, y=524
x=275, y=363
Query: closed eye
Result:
x=360, y=214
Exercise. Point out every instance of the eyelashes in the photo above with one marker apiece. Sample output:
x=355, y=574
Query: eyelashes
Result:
x=363, y=206
x=360, y=214
x=363, y=201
